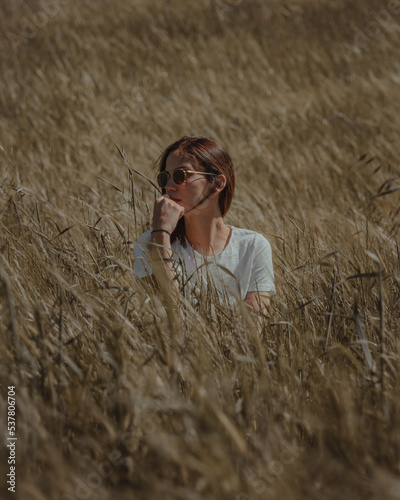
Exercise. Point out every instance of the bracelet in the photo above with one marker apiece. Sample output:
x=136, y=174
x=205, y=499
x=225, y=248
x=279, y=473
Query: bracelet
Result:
x=160, y=231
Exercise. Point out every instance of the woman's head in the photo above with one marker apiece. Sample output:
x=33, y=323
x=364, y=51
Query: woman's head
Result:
x=206, y=156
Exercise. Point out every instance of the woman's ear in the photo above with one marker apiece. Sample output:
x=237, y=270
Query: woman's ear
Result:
x=220, y=183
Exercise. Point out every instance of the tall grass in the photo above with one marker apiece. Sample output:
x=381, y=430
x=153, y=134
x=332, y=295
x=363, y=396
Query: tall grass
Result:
x=124, y=392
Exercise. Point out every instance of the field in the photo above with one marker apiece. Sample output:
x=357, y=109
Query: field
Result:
x=123, y=393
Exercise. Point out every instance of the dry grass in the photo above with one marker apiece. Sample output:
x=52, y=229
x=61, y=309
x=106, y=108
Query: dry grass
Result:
x=116, y=397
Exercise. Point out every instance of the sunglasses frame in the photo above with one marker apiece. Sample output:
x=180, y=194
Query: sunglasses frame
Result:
x=184, y=170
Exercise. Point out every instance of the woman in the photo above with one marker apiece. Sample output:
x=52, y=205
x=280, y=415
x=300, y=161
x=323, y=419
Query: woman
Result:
x=190, y=236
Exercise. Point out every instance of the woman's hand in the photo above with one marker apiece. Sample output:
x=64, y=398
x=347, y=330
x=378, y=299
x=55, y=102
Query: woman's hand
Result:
x=260, y=303
x=166, y=213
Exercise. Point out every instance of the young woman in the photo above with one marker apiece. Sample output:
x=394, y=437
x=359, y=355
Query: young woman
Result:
x=189, y=235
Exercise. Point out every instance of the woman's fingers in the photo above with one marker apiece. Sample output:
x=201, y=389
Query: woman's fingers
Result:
x=166, y=213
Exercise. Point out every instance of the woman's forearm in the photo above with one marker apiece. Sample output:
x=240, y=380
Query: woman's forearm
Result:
x=162, y=257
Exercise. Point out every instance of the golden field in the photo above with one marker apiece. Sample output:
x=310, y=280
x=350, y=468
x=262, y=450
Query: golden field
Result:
x=116, y=395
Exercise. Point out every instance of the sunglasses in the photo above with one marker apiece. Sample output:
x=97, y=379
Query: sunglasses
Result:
x=178, y=175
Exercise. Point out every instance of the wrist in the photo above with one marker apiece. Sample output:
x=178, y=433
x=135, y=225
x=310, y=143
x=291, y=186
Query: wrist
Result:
x=162, y=240
x=160, y=230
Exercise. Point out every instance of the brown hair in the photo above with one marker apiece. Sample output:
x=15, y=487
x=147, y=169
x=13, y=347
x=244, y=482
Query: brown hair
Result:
x=212, y=158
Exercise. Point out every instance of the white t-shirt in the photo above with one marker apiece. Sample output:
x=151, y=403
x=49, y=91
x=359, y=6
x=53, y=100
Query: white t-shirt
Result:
x=245, y=264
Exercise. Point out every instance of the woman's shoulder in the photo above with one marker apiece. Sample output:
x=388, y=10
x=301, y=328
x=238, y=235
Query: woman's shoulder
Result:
x=247, y=236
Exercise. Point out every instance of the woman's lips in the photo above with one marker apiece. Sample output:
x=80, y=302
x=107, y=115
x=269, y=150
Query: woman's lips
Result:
x=175, y=199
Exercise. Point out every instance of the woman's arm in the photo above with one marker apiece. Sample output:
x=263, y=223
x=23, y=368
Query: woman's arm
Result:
x=161, y=259
x=260, y=302
x=166, y=214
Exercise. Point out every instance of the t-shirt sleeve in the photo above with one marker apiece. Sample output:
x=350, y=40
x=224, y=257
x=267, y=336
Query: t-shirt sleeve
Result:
x=141, y=266
x=262, y=272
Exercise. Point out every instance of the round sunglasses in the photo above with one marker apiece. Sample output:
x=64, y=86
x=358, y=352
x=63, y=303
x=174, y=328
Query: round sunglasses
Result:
x=178, y=175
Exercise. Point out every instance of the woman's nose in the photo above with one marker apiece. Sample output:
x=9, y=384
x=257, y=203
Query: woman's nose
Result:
x=171, y=186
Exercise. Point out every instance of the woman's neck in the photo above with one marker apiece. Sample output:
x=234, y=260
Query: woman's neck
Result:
x=205, y=236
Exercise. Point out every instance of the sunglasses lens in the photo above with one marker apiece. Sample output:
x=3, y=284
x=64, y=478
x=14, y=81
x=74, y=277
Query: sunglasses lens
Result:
x=162, y=179
x=179, y=176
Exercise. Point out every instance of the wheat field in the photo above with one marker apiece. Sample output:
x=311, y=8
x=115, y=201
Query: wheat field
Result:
x=121, y=392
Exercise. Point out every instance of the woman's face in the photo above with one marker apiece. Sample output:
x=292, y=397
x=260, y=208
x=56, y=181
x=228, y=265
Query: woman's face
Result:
x=194, y=189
